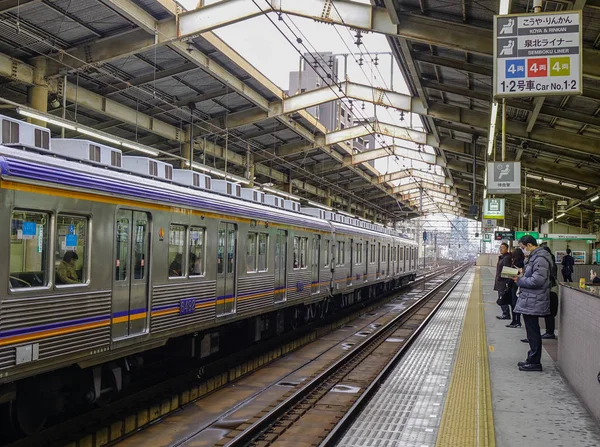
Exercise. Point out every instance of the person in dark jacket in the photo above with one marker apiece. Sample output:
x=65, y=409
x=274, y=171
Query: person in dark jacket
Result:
x=500, y=284
x=534, y=298
x=567, y=263
x=518, y=262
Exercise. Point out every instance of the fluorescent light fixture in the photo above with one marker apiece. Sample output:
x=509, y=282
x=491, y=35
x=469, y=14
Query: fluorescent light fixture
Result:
x=492, y=134
x=199, y=166
x=43, y=117
x=345, y=213
x=97, y=135
x=280, y=193
x=560, y=215
x=135, y=147
x=551, y=220
x=593, y=199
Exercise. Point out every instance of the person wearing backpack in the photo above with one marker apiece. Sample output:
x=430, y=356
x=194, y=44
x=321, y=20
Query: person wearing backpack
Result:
x=534, y=298
x=567, y=263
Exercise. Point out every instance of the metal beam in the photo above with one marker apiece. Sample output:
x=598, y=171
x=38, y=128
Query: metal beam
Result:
x=407, y=173
x=422, y=184
x=391, y=130
x=418, y=28
x=367, y=93
x=399, y=151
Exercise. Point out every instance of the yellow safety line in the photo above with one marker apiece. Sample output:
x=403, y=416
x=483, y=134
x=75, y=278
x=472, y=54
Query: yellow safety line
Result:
x=468, y=420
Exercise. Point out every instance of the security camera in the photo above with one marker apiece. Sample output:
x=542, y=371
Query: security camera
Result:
x=524, y=145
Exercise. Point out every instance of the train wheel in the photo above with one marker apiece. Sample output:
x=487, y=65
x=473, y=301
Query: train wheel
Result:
x=28, y=414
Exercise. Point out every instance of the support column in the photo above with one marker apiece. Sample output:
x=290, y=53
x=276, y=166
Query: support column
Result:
x=328, y=201
x=37, y=95
x=250, y=168
x=186, y=149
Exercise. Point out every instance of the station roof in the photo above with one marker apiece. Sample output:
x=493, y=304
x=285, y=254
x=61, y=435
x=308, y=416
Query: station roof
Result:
x=445, y=49
x=128, y=74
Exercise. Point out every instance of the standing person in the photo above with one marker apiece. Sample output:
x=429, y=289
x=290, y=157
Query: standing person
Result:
x=534, y=298
x=518, y=262
x=567, y=266
x=500, y=284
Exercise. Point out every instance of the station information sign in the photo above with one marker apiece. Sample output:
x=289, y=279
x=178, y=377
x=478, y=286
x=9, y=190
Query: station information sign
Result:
x=488, y=225
x=504, y=235
x=504, y=177
x=520, y=234
x=537, y=54
x=493, y=208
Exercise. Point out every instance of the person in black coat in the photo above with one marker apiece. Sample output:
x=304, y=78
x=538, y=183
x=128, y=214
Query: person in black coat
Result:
x=500, y=284
x=518, y=262
x=567, y=263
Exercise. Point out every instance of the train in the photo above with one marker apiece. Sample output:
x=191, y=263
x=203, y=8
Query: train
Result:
x=110, y=256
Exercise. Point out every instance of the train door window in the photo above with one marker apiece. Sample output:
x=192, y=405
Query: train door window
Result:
x=303, y=250
x=29, y=249
x=71, y=243
x=372, y=261
x=296, y=252
x=251, y=253
x=280, y=266
x=383, y=254
x=300, y=245
x=196, y=251
x=341, y=255
x=263, y=247
x=359, y=253
x=326, y=252
x=122, y=249
x=177, y=236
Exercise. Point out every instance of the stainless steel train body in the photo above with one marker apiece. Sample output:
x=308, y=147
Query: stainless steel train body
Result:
x=133, y=295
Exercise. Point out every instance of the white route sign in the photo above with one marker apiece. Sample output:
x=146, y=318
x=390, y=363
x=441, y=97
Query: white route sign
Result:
x=537, y=54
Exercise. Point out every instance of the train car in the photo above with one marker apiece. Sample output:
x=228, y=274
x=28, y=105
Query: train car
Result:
x=110, y=256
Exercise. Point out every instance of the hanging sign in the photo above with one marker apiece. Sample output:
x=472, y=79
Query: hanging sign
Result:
x=493, y=208
x=487, y=237
x=504, y=177
x=537, y=54
x=520, y=234
x=488, y=225
x=504, y=235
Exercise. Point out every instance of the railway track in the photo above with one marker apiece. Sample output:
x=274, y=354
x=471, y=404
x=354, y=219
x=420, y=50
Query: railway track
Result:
x=307, y=415
x=134, y=412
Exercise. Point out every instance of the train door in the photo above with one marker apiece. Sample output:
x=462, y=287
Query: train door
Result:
x=350, y=276
x=378, y=259
x=367, y=260
x=281, y=249
x=130, y=284
x=226, y=268
x=315, y=265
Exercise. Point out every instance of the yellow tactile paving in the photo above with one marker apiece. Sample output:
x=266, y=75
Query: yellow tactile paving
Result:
x=468, y=420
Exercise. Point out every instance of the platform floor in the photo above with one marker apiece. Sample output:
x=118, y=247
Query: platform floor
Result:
x=459, y=386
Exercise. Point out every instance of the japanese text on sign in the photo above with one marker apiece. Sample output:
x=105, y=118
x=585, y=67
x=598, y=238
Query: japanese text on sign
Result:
x=537, y=54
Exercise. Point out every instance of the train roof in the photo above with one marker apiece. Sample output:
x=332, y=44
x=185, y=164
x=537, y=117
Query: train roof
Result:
x=30, y=166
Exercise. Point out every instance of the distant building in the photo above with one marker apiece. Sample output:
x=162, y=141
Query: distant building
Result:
x=333, y=115
x=459, y=238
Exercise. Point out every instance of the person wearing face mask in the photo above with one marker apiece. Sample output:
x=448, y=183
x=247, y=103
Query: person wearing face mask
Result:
x=534, y=298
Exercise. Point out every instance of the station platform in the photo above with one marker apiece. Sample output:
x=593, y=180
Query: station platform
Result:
x=459, y=385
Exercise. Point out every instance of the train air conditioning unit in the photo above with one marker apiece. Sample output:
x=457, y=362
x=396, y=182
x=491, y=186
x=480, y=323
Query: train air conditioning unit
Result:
x=88, y=151
x=226, y=187
x=148, y=167
x=275, y=201
x=186, y=177
x=16, y=133
x=315, y=212
x=291, y=205
x=253, y=195
x=562, y=206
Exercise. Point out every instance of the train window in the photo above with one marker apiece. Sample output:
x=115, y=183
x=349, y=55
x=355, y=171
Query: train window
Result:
x=176, y=250
x=326, y=253
x=383, y=253
x=263, y=247
x=196, y=251
x=71, y=240
x=359, y=253
x=251, y=253
x=29, y=249
x=372, y=254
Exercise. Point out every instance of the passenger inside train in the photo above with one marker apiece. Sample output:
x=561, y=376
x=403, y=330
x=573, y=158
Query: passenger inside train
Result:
x=66, y=272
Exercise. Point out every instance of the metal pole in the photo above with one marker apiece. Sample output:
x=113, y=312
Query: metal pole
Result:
x=64, y=104
x=392, y=72
x=299, y=89
x=537, y=6
x=503, y=129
